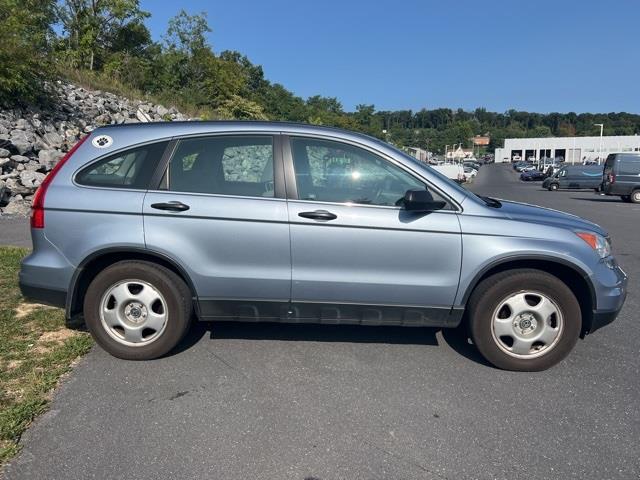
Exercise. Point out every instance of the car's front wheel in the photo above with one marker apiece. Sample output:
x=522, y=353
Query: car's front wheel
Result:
x=137, y=310
x=553, y=187
x=524, y=320
x=635, y=196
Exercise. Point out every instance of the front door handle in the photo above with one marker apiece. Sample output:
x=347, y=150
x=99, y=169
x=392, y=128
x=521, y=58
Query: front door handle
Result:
x=171, y=206
x=318, y=215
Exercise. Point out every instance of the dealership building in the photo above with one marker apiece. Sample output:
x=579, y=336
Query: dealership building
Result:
x=572, y=149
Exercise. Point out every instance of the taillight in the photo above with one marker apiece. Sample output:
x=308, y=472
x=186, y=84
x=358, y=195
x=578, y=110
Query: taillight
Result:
x=37, y=208
x=612, y=178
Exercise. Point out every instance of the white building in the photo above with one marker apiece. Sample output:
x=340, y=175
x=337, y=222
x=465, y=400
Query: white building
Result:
x=572, y=149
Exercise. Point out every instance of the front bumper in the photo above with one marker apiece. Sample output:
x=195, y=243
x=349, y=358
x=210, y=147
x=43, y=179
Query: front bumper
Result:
x=601, y=319
x=610, y=299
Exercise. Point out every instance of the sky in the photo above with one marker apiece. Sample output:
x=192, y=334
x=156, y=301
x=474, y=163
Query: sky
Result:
x=534, y=55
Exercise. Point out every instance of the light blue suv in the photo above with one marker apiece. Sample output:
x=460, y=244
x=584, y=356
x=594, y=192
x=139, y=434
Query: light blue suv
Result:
x=142, y=227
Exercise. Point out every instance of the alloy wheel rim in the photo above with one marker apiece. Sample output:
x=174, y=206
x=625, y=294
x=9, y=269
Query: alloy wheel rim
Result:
x=527, y=324
x=133, y=312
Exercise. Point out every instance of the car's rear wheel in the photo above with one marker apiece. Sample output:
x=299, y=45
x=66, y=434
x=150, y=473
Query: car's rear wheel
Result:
x=635, y=196
x=137, y=310
x=524, y=320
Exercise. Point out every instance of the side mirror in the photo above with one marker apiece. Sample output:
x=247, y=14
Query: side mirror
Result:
x=417, y=200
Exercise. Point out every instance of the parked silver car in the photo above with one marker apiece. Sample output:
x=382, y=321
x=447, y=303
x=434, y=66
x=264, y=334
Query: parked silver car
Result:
x=141, y=227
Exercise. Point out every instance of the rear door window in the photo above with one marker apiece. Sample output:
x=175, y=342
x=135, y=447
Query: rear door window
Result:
x=224, y=165
x=128, y=169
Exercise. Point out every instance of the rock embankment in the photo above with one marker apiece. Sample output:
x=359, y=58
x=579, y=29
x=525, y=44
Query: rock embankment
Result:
x=32, y=140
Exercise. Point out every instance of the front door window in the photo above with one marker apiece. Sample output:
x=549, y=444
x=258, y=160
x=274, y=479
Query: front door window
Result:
x=328, y=171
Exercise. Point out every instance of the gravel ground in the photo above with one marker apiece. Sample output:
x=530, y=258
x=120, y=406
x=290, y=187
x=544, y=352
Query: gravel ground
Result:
x=240, y=401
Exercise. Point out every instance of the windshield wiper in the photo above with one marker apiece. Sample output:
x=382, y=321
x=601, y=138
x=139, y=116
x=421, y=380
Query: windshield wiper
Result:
x=491, y=202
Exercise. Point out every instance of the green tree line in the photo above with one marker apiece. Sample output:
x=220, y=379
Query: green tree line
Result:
x=108, y=40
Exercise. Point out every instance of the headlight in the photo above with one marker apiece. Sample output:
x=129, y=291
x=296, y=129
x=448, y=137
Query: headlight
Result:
x=600, y=244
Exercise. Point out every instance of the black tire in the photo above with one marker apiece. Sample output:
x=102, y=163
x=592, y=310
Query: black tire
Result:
x=174, y=291
x=553, y=187
x=635, y=196
x=489, y=294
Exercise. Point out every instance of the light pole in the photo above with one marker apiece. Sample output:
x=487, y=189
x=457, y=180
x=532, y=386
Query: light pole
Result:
x=601, y=125
x=445, y=153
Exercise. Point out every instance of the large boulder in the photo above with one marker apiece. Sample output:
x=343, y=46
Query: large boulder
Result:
x=22, y=147
x=53, y=139
x=17, y=207
x=160, y=110
x=31, y=179
x=16, y=188
x=49, y=158
x=19, y=158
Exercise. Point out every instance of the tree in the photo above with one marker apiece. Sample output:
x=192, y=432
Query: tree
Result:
x=93, y=27
x=25, y=49
x=187, y=33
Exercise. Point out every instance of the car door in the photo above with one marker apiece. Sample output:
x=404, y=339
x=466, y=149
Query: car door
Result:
x=220, y=213
x=357, y=255
x=563, y=179
x=628, y=176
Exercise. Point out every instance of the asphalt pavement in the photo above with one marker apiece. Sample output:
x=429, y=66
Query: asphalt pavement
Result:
x=14, y=231
x=240, y=401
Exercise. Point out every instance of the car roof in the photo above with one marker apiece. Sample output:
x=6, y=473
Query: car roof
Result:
x=198, y=126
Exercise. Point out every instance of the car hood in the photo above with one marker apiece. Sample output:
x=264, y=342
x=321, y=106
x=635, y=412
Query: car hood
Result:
x=547, y=216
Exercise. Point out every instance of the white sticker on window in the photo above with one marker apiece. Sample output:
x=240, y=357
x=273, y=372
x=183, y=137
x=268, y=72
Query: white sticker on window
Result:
x=102, y=141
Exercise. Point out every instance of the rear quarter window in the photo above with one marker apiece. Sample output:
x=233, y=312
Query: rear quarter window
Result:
x=131, y=168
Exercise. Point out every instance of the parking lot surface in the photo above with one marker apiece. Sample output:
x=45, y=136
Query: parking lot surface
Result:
x=14, y=231
x=240, y=401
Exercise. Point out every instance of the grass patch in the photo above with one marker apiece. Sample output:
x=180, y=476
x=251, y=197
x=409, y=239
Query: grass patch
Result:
x=35, y=351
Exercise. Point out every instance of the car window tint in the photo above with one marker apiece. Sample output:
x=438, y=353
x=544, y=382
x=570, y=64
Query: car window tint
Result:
x=128, y=169
x=241, y=165
x=330, y=171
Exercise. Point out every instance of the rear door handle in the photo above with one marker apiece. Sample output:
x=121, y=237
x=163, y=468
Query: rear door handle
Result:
x=318, y=215
x=170, y=206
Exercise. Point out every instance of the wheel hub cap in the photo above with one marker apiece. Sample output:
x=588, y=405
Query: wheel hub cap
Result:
x=527, y=324
x=135, y=312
